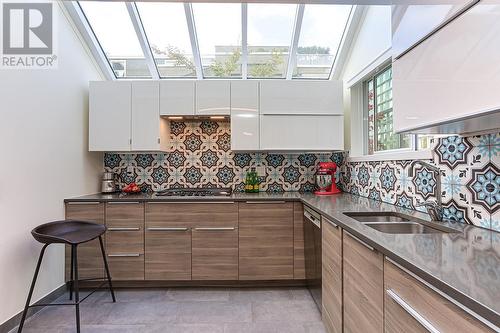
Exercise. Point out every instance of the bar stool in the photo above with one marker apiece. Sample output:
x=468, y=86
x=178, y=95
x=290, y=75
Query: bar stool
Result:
x=73, y=233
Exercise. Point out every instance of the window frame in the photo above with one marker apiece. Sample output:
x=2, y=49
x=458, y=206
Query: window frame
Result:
x=413, y=137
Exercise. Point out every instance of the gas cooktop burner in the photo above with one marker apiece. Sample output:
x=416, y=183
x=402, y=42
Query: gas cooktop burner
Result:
x=194, y=192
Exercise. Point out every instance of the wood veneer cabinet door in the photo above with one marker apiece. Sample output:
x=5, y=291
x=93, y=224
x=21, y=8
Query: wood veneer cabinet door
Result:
x=331, y=276
x=363, y=282
x=125, y=240
x=90, y=263
x=167, y=243
x=299, y=267
x=215, y=253
x=410, y=305
x=265, y=240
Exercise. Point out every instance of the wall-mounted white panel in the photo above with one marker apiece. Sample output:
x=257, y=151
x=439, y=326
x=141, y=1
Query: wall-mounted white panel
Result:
x=213, y=97
x=453, y=74
x=109, y=116
x=301, y=97
x=177, y=98
x=245, y=115
x=304, y=133
x=145, y=116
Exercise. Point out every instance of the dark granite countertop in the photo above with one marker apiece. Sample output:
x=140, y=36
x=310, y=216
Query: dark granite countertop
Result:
x=464, y=265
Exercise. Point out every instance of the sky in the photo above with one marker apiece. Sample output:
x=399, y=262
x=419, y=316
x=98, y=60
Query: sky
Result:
x=216, y=24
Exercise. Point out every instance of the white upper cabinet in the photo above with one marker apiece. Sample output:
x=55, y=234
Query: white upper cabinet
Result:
x=213, y=97
x=451, y=76
x=412, y=23
x=301, y=97
x=149, y=131
x=177, y=98
x=109, y=116
x=301, y=133
x=245, y=115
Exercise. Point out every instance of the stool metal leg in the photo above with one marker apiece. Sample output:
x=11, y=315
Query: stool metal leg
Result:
x=71, y=276
x=77, y=291
x=33, y=282
x=107, y=270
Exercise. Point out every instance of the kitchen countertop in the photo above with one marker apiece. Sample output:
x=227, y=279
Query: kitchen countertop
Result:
x=464, y=265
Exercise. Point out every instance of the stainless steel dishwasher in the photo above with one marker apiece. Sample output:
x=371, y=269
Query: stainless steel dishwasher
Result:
x=312, y=253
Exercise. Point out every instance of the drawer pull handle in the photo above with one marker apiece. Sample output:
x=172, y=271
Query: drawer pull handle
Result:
x=266, y=202
x=361, y=242
x=123, y=202
x=412, y=312
x=83, y=203
x=167, y=229
x=215, y=228
x=124, y=255
x=331, y=222
x=124, y=229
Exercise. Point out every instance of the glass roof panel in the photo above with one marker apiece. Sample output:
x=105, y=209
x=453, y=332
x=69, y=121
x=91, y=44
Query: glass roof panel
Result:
x=270, y=28
x=320, y=36
x=218, y=28
x=111, y=24
x=167, y=32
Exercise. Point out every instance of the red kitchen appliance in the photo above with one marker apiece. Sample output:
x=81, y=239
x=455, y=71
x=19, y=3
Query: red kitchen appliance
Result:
x=325, y=178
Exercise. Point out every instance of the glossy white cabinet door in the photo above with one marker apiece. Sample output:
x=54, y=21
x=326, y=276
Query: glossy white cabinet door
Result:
x=148, y=132
x=301, y=97
x=177, y=98
x=245, y=115
x=213, y=97
x=453, y=74
x=109, y=116
x=304, y=133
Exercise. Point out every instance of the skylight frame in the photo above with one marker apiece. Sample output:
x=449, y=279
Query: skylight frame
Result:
x=76, y=12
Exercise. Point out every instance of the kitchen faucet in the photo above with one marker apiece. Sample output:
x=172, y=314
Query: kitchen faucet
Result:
x=434, y=208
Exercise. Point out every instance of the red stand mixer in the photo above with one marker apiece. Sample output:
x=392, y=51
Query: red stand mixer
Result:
x=325, y=178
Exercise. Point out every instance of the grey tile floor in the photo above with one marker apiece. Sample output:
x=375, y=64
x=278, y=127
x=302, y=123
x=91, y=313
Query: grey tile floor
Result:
x=186, y=310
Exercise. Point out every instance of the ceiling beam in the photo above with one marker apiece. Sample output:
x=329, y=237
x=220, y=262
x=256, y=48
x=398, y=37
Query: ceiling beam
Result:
x=325, y=2
x=292, y=54
x=143, y=40
x=188, y=9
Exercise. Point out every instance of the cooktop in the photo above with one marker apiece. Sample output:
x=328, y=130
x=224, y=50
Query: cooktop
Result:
x=195, y=192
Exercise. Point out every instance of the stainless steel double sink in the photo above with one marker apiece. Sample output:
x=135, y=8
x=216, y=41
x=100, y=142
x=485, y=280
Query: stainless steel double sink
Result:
x=396, y=223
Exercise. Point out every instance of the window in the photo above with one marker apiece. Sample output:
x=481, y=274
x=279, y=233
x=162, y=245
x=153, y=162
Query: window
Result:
x=167, y=32
x=218, y=28
x=381, y=136
x=118, y=38
x=270, y=29
x=322, y=31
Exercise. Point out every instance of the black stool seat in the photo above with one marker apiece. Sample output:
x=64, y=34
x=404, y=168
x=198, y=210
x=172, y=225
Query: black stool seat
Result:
x=68, y=231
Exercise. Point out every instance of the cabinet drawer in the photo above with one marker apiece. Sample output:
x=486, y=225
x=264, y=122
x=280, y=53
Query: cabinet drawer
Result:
x=410, y=306
x=90, y=264
x=126, y=266
x=215, y=253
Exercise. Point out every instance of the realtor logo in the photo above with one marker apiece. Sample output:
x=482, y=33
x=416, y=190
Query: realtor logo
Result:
x=28, y=35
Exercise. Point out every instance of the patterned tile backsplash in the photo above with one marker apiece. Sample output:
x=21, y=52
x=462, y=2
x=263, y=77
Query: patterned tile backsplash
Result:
x=201, y=156
x=470, y=177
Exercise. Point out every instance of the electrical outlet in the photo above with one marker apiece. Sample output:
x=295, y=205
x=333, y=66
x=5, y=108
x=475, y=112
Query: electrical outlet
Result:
x=261, y=171
x=130, y=169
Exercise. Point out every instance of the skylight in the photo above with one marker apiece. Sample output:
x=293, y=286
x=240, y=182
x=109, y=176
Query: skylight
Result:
x=215, y=40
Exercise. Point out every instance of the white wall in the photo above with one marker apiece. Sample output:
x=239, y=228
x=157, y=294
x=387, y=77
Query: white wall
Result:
x=43, y=138
x=370, y=49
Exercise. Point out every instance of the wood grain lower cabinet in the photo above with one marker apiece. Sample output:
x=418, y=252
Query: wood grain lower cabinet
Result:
x=215, y=253
x=125, y=240
x=363, y=281
x=299, y=267
x=265, y=240
x=331, y=244
x=90, y=263
x=411, y=306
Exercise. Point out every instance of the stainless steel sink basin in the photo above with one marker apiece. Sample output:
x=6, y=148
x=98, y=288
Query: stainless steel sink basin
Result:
x=396, y=223
x=377, y=217
x=404, y=228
